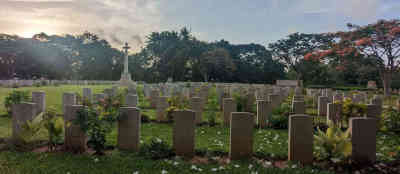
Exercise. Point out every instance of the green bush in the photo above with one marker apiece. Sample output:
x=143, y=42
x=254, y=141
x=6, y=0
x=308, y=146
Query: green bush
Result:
x=30, y=132
x=351, y=109
x=175, y=103
x=334, y=144
x=145, y=118
x=37, y=84
x=157, y=149
x=96, y=126
x=241, y=101
x=280, y=117
x=390, y=120
x=55, y=127
x=15, y=97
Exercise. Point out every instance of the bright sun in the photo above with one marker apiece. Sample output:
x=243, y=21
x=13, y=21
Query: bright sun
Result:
x=29, y=33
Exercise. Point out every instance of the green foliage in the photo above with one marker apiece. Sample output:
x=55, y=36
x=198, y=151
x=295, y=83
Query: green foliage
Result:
x=390, y=120
x=37, y=84
x=55, y=127
x=351, y=109
x=109, y=107
x=280, y=117
x=157, y=149
x=241, y=101
x=96, y=126
x=176, y=103
x=15, y=97
x=145, y=118
x=30, y=133
x=212, y=113
x=334, y=144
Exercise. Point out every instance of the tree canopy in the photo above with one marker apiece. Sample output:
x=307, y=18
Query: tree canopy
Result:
x=350, y=57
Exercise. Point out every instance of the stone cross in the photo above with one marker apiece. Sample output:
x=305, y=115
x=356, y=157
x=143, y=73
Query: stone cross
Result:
x=126, y=76
x=126, y=48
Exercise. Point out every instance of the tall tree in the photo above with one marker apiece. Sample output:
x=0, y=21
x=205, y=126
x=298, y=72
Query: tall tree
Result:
x=293, y=48
x=379, y=41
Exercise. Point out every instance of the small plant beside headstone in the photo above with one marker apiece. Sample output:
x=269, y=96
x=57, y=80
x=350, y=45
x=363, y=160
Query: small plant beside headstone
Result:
x=55, y=127
x=15, y=97
x=333, y=145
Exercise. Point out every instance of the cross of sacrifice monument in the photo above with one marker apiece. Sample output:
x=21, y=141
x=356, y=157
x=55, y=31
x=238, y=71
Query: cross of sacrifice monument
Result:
x=125, y=76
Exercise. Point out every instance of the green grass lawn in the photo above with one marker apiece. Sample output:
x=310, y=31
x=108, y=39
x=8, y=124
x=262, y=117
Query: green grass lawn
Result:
x=53, y=93
x=269, y=144
x=126, y=163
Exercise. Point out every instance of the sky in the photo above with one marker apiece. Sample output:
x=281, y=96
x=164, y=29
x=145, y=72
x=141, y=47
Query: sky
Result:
x=237, y=21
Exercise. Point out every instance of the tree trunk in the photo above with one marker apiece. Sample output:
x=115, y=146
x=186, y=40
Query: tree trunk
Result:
x=387, y=82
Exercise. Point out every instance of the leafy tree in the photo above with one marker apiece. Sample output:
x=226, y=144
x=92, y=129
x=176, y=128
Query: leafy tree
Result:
x=216, y=63
x=379, y=42
x=292, y=49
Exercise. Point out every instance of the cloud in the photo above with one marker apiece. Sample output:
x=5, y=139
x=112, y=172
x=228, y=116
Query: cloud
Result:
x=114, y=20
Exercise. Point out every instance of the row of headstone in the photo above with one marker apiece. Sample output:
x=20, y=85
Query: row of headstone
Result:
x=241, y=127
x=363, y=138
x=22, y=83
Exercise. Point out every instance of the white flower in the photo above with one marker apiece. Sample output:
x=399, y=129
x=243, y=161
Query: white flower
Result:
x=137, y=172
x=141, y=141
x=221, y=168
x=96, y=160
x=294, y=166
x=276, y=137
x=158, y=140
x=236, y=165
x=199, y=169
x=254, y=172
x=219, y=133
x=202, y=132
x=214, y=169
x=335, y=160
x=164, y=172
x=193, y=167
x=268, y=163
x=250, y=166
x=176, y=163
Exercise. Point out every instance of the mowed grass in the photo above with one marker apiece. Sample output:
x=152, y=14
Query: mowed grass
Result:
x=53, y=93
x=270, y=144
x=127, y=163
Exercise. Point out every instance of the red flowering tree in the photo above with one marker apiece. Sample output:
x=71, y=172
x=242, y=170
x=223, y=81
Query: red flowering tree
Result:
x=378, y=41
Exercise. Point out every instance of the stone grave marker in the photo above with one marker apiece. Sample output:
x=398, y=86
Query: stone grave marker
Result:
x=129, y=129
x=300, y=139
x=241, y=137
x=184, y=133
